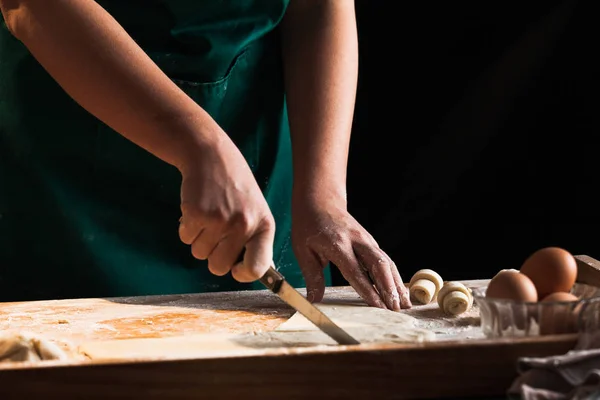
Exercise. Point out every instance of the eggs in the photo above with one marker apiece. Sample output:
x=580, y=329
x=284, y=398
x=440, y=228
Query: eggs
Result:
x=510, y=284
x=560, y=296
x=560, y=317
x=545, y=277
x=552, y=270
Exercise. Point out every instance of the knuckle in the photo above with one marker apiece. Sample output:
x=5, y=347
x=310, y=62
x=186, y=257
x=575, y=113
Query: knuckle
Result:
x=359, y=233
x=189, y=210
x=267, y=223
x=382, y=262
x=242, y=221
x=337, y=238
x=338, y=243
x=215, y=216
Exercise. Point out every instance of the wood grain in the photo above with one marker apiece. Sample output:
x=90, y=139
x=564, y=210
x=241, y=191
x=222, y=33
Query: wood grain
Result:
x=481, y=368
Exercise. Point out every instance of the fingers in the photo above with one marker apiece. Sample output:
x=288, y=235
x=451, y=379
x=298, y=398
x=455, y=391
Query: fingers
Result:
x=204, y=243
x=402, y=289
x=259, y=254
x=379, y=266
x=190, y=225
x=344, y=257
x=221, y=243
x=356, y=260
x=225, y=254
x=312, y=270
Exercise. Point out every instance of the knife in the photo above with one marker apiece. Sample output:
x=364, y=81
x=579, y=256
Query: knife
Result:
x=277, y=284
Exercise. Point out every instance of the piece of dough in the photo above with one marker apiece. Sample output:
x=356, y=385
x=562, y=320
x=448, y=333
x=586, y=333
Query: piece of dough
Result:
x=425, y=285
x=454, y=298
x=25, y=347
x=204, y=345
x=366, y=324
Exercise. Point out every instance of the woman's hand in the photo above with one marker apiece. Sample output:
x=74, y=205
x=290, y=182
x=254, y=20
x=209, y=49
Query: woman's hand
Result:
x=320, y=54
x=328, y=233
x=224, y=211
x=102, y=68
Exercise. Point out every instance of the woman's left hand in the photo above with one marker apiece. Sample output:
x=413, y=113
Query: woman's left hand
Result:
x=328, y=233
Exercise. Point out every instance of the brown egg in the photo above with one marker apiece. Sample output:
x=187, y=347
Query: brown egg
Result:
x=558, y=318
x=560, y=296
x=551, y=269
x=511, y=285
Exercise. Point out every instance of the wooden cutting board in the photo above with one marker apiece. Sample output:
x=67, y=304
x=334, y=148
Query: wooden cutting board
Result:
x=81, y=320
x=458, y=367
x=188, y=326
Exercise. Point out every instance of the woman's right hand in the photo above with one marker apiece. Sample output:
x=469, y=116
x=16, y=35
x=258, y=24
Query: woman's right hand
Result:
x=224, y=211
x=103, y=69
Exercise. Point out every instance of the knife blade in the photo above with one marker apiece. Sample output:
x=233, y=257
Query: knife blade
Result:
x=276, y=283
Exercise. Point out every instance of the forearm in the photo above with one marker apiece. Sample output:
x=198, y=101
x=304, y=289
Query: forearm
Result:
x=98, y=64
x=321, y=66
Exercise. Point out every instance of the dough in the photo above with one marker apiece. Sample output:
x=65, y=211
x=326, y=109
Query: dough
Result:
x=193, y=346
x=365, y=324
x=455, y=298
x=25, y=347
x=425, y=285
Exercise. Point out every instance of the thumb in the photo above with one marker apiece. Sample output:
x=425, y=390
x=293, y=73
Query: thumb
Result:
x=312, y=270
x=258, y=257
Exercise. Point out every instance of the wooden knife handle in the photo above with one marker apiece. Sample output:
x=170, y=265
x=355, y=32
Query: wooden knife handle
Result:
x=272, y=279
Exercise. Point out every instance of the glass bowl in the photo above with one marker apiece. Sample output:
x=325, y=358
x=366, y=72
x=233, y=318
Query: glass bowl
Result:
x=509, y=318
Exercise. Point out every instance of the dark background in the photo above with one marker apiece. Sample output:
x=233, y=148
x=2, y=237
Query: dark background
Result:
x=474, y=133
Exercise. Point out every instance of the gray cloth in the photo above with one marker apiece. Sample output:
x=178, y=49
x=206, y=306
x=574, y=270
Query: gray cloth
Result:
x=573, y=376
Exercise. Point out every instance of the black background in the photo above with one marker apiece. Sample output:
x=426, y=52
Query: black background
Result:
x=474, y=132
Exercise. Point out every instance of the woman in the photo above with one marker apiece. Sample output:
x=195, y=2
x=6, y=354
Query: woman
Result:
x=109, y=110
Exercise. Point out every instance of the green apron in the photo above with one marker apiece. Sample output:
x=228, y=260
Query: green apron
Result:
x=83, y=211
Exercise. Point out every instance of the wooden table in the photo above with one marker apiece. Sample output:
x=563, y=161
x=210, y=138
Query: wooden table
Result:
x=451, y=368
